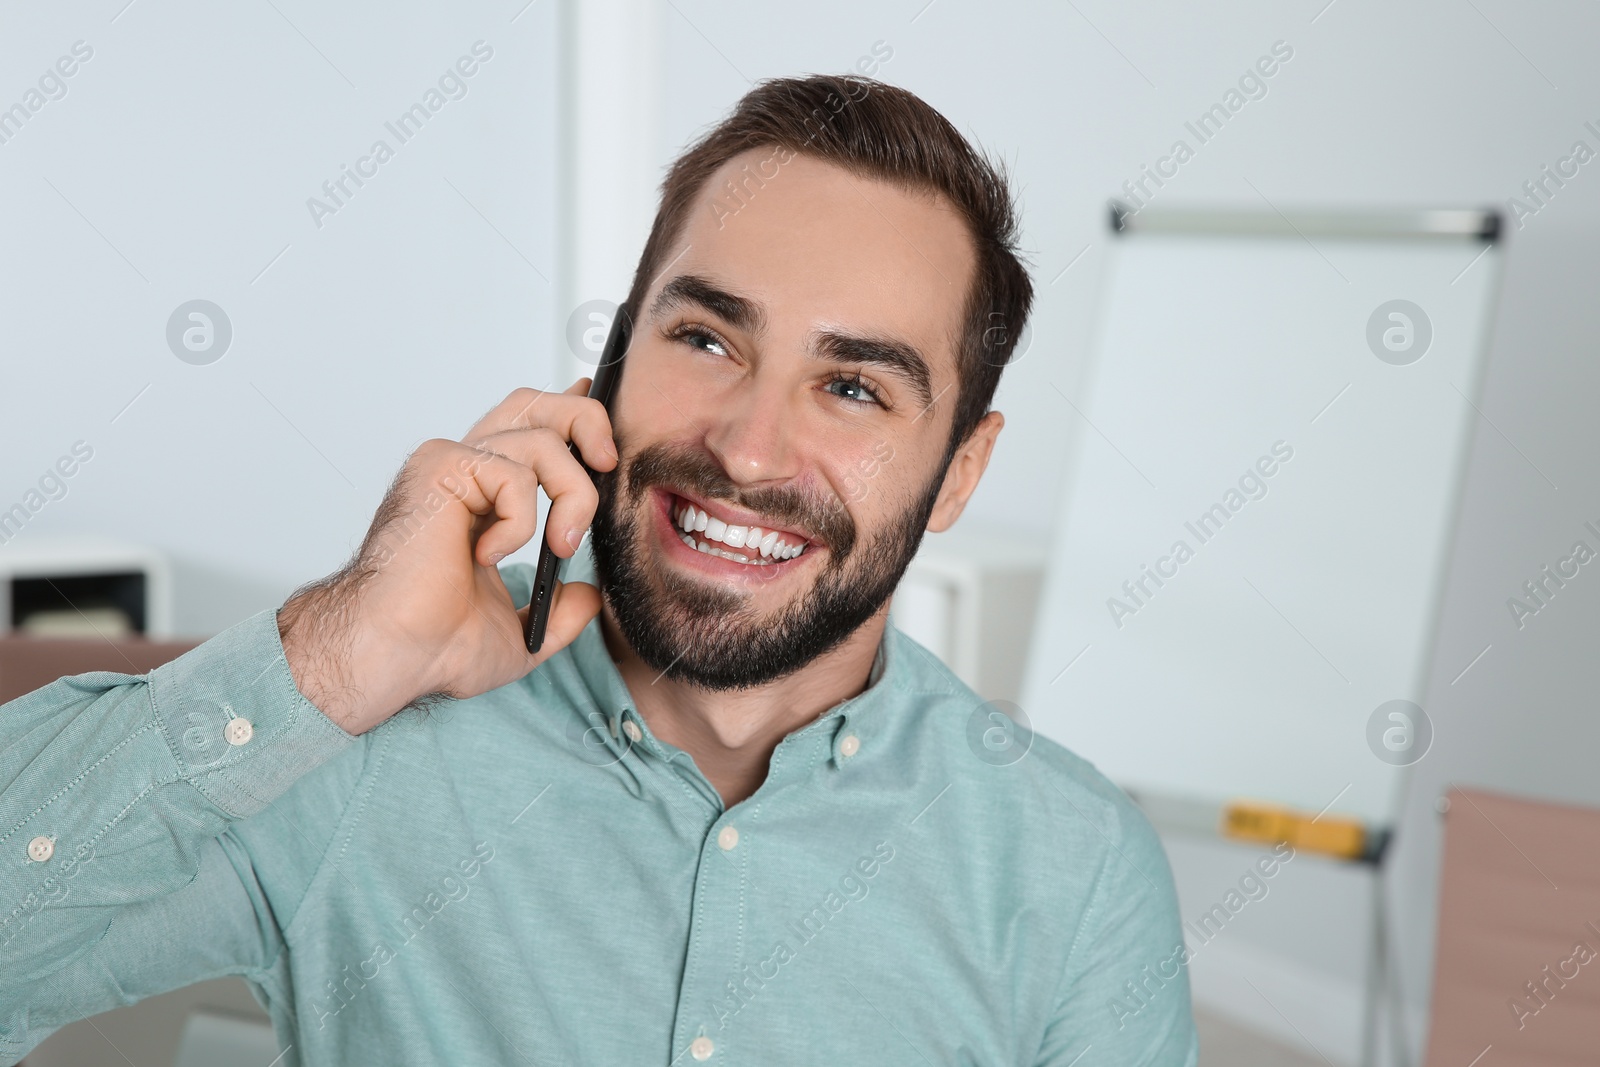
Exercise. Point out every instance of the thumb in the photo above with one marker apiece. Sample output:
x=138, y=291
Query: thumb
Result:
x=571, y=607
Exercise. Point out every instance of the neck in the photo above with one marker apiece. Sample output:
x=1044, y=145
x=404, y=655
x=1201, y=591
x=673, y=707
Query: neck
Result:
x=731, y=735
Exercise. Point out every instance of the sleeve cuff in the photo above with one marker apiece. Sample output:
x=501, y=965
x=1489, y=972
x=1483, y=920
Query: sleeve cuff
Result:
x=238, y=728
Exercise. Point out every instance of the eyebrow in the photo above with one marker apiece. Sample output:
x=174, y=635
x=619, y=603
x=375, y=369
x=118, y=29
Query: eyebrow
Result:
x=896, y=357
x=742, y=313
x=690, y=289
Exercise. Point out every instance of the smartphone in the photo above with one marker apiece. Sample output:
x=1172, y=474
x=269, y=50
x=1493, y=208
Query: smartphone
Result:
x=602, y=388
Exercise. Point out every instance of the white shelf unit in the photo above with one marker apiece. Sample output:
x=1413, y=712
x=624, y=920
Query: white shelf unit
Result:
x=970, y=597
x=99, y=570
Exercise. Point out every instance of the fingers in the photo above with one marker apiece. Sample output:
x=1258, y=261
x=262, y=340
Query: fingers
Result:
x=572, y=606
x=486, y=484
x=572, y=414
x=506, y=488
x=572, y=494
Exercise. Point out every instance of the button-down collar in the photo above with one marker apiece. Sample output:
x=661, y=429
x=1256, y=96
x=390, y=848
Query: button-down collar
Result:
x=614, y=717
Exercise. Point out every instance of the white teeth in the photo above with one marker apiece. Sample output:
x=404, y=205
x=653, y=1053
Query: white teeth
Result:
x=701, y=546
x=765, y=542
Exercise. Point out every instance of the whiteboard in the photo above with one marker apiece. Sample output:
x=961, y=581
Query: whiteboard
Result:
x=1252, y=669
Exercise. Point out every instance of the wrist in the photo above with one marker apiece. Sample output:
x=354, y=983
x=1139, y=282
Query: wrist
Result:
x=351, y=670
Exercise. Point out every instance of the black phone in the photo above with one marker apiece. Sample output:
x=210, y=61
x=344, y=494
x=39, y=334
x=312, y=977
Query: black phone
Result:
x=602, y=388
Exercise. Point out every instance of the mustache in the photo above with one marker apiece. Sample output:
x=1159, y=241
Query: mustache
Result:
x=825, y=519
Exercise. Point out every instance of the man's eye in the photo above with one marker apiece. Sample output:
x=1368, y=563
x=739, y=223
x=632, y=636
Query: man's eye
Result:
x=854, y=388
x=701, y=338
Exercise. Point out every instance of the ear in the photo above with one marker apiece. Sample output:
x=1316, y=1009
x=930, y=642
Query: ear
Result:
x=966, y=467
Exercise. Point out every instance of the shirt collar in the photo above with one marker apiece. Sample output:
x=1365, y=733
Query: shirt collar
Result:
x=856, y=717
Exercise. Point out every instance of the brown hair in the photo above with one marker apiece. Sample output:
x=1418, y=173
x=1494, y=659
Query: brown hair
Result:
x=879, y=131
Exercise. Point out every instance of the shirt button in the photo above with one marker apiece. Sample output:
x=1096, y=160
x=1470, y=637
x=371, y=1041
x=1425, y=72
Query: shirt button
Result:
x=727, y=839
x=41, y=848
x=238, y=731
x=701, y=1048
x=631, y=728
x=850, y=745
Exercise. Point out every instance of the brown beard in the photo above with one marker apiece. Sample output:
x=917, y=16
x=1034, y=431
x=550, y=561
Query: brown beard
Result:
x=704, y=633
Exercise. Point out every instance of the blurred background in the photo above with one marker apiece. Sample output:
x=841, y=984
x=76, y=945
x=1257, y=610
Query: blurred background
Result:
x=233, y=344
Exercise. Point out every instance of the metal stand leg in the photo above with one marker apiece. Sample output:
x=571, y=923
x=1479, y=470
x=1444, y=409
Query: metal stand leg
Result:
x=1384, y=994
x=1376, y=973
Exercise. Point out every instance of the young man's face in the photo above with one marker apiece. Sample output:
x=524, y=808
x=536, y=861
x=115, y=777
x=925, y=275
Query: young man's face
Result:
x=793, y=369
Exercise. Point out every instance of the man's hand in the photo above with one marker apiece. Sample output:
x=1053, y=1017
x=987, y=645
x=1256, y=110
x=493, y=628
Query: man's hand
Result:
x=421, y=610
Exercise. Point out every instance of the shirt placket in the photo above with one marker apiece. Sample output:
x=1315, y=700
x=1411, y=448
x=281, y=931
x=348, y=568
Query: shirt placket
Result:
x=719, y=978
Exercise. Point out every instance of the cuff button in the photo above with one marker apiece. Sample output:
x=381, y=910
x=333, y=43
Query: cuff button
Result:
x=238, y=731
x=41, y=848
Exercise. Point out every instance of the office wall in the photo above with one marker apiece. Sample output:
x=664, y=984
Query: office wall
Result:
x=178, y=165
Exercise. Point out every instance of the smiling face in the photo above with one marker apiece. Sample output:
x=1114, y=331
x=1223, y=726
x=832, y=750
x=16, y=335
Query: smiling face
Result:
x=782, y=419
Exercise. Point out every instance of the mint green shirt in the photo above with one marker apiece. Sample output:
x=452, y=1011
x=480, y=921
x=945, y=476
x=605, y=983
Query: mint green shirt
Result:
x=531, y=876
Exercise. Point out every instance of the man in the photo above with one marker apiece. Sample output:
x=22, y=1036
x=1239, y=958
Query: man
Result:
x=731, y=815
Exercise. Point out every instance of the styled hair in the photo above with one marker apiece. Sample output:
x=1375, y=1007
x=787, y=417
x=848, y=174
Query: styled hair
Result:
x=875, y=130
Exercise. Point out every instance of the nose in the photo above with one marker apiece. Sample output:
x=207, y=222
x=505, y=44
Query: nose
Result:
x=752, y=432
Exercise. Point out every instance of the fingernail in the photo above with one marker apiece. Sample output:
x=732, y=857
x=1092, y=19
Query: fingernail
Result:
x=611, y=450
x=496, y=557
x=573, y=538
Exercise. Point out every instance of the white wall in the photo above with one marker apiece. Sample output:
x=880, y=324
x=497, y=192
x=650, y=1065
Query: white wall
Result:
x=192, y=139
x=178, y=166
